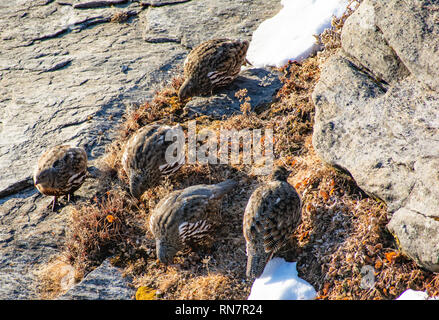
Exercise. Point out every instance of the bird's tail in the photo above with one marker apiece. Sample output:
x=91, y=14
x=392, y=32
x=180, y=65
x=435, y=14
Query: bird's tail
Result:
x=255, y=265
x=224, y=187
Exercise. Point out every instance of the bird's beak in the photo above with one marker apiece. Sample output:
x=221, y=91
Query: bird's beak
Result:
x=161, y=252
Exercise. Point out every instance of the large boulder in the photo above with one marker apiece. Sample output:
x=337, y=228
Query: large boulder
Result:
x=377, y=116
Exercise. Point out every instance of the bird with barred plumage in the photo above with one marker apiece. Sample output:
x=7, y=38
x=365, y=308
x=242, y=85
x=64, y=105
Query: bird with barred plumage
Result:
x=185, y=216
x=212, y=64
x=273, y=212
x=145, y=158
x=61, y=170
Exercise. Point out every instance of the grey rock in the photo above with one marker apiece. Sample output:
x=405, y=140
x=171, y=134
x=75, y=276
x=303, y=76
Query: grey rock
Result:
x=208, y=19
x=103, y=283
x=67, y=76
x=261, y=84
x=385, y=134
x=29, y=235
x=410, y=28
x=362, y=40
x=413, y=230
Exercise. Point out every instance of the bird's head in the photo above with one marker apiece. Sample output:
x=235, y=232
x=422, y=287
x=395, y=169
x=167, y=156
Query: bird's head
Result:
x=165, y=251
x=135, y=187
x=280, y=173
x=186, y=90
x=138, y=184
x=44, y=177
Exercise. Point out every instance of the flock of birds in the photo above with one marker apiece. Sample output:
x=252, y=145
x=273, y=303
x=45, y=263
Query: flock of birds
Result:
x=183, y=217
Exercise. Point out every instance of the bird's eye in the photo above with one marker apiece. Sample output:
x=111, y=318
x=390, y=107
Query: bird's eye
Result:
x=55, y=164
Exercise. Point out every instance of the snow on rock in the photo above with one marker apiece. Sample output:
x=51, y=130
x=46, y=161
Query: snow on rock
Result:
x=280, y=281
x=289, y=34
x=410, y=294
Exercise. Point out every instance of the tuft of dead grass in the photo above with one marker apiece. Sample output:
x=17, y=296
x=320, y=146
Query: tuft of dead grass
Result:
x=119, y=17
x=100, y=229
x=214, y=287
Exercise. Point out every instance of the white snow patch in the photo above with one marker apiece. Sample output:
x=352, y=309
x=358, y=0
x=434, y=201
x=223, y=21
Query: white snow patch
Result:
x=280, y=281
x=289, y=34
x=410, y=294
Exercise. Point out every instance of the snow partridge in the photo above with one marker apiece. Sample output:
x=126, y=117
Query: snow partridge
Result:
x=61, y=170
x=184, y=216
x=272, y=214
x=212, y=64
x=144, y=157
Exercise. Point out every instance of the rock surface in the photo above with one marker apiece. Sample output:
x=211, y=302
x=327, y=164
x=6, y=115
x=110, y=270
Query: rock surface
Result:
x=193, y=22
x=363, y=41
x=104, y=283
x=262, y=86
x=66, y=76
x=376, y=116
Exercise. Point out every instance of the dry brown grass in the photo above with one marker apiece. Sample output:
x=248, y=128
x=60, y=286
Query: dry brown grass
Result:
x=100, y=228
x=212, y=287
x=342, y=231
x=119, y=17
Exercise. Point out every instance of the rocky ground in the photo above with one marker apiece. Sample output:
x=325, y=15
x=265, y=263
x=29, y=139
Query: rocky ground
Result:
x=67, y=75
x=91, y=75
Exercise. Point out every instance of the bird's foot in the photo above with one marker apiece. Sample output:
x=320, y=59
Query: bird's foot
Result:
x=52, y=204
x=70, y=197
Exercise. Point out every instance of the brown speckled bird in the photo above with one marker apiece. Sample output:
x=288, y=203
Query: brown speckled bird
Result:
x=273, y=212
x=212, y=64
x=144, y=157
x=61, y=170
x=183, y=217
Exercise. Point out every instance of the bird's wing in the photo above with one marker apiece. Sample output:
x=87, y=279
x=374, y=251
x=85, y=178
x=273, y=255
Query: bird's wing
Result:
x=273, y=215
x=194, y=230
x=132, y=155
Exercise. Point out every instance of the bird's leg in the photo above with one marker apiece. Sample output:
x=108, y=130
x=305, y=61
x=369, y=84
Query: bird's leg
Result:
x=53, y=203
x=70, y=196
